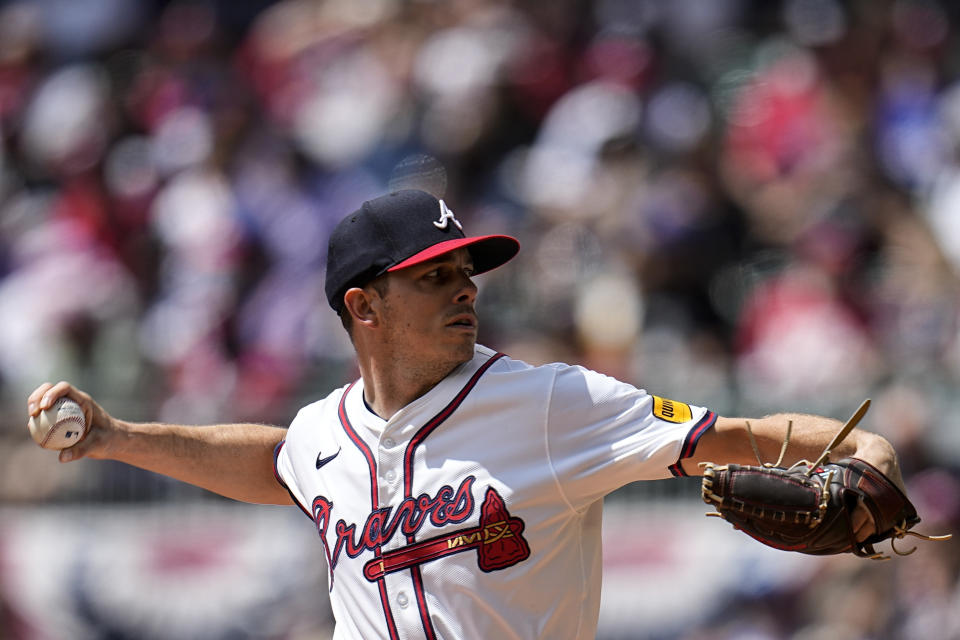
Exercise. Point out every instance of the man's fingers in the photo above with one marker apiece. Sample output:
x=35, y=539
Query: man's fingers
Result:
x=863, y=525
x=59, y=390
x=44, y=396
x=33, y=400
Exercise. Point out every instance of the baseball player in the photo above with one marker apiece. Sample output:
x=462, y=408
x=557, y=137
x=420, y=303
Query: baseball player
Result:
x=457, y=492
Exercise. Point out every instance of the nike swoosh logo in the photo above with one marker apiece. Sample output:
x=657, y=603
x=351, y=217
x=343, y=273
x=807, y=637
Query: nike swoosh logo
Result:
x=323, y=461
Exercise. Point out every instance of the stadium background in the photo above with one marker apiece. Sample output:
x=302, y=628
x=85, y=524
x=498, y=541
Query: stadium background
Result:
x=749, y=205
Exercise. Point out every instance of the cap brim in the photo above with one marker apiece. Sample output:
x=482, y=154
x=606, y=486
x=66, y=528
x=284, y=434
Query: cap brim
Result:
x=488, y=252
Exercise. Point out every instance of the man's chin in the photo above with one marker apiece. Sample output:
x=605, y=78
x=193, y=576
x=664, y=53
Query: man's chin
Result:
x=465, y=349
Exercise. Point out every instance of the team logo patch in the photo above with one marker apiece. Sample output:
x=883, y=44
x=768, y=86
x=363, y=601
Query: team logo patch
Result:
x=671, y=410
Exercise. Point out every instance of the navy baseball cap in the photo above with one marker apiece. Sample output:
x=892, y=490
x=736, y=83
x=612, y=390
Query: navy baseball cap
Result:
x=400, y=230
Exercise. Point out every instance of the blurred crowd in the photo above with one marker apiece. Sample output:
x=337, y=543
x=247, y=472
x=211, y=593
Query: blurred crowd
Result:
x=748, y=205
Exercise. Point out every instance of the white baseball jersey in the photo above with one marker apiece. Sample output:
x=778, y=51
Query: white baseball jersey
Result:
x=475, y=511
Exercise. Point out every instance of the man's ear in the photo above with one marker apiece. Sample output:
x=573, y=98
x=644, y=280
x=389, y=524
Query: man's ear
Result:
x=360, y=305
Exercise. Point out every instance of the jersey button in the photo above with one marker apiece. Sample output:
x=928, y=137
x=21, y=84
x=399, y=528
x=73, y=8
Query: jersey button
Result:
x=388, y=443
x=402, y=600
x=391, y=475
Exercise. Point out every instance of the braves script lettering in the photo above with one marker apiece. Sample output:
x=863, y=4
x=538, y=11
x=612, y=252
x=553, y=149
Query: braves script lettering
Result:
x=447, y=507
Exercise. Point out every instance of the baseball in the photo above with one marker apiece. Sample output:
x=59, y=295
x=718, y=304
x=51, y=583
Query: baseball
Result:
x=60, y=426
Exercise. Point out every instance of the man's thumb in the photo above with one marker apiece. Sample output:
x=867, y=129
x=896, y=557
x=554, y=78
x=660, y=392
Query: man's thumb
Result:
x=73, y=453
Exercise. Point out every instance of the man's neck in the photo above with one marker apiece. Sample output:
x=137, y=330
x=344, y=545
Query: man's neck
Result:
x=390, y=385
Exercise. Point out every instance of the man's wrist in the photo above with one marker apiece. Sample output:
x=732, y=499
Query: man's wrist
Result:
x=114, y=439
x=876, y=450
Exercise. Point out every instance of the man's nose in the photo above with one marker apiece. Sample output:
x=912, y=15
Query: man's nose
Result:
x=467, y=291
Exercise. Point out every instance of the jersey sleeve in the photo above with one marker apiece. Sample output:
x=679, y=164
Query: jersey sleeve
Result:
x=285, y=473
x=603, y=433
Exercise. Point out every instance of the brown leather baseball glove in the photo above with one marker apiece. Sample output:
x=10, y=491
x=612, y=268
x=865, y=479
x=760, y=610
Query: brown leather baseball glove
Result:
x=809, y=507
x=796, y=510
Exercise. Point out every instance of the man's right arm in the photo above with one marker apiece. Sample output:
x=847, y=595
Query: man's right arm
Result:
x=233, y=460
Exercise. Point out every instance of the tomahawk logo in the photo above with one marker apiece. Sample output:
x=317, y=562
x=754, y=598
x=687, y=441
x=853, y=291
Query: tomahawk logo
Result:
x=445, y=217
x=498, y=540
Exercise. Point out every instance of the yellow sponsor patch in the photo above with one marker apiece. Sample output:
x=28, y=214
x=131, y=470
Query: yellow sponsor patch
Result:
x=671, y=410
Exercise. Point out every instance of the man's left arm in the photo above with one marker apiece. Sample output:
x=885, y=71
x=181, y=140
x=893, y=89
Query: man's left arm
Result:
x=728, y=442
